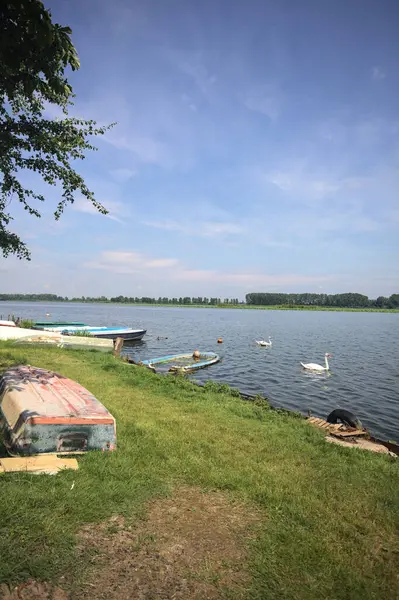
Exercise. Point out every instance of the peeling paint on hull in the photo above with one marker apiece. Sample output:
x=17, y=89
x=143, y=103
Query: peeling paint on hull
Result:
x=42, y=411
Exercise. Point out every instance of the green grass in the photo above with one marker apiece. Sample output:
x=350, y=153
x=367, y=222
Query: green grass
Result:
x=318, y=308
x=26, y=324
x=330, y=514
x=273, y=307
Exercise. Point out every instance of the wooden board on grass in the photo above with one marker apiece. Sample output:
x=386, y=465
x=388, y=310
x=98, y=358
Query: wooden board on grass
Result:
x=37, y=464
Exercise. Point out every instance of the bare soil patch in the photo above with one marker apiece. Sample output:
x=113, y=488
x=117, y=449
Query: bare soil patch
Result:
x=33, y=590
x=191, y=546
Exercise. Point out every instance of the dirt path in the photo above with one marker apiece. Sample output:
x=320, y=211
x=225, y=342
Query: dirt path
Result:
x=192, y=546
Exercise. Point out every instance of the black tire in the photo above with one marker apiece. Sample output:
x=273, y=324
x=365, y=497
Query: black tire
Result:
x=346, y=417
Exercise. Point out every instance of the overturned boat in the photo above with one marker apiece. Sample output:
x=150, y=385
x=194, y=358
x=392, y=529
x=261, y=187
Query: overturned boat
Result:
x=42, y=411
x=184, y=363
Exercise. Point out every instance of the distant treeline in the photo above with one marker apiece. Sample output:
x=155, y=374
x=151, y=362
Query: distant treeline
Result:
x=33, y=297
x=121, y=299
x=349, y=300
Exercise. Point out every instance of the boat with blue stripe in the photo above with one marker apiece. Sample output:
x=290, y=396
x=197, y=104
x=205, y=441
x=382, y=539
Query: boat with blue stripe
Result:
x=110, y=333
x=184, y=363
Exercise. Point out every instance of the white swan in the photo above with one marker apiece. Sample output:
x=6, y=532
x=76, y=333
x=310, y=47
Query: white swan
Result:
x=316, y=367
x=263, y=343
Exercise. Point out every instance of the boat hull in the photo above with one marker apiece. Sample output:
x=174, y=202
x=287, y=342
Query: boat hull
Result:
x=7, y=324
x=128, y=336
x=206, y=359
x=36, y=337
x=68, y=341
x=56, y=324
x=109, y=333
x=42, y=411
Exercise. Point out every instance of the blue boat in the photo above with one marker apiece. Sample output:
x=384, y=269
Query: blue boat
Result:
x=53, y=324
x=184, y=363
x=110, y=333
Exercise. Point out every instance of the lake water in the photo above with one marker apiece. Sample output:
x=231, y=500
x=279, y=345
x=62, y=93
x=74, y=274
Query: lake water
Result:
x=364, y=375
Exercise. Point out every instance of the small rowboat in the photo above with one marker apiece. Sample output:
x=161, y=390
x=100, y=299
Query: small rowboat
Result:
x=56, y=324
x=105, y=333
x=184, y=363
x=42, y=411
x=7, y=324
x=65, y=341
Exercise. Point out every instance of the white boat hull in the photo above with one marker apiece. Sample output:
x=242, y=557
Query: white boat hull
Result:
x=110, y=333
x=32, y=336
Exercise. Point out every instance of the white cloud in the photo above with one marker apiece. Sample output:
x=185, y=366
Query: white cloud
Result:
x=121, y=257
x=200, y=228
x=301, y=183
x=147, y=149
x=374, y=130
x=377, y=74
x=122, y=175
x=192, y=65
x=188, y=101
x=83, y=205
x=171, y=269
x=124, y=262
x=265, y=99
x=161, y=263
x=354, y=135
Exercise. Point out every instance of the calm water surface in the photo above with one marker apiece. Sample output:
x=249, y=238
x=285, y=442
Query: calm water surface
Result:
x=364, y=374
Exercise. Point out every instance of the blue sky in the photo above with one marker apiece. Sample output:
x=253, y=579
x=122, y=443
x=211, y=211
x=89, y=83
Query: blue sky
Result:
x=257, y=149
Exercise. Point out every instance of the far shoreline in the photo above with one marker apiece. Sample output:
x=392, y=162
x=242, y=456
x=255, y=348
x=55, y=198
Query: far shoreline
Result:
x=218, y=306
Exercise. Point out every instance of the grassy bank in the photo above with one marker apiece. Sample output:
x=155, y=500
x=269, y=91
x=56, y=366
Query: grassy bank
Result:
x=274, y=307
x=328, y=515
x=311, y=308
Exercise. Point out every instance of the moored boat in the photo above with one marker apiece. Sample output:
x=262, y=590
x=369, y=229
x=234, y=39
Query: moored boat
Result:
x=67, y=341
x=56, y=324
x=185, y=363
x=35, y=336
x=42, y=411
x=111, y=333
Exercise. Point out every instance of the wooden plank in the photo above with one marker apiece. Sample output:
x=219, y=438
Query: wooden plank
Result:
x=118, y=346
x=352, y=433
x=322, y=424
x=41, y=464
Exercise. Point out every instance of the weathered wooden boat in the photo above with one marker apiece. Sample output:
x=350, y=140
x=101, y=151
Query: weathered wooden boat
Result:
x=185, y=363
x=67, y=341
x=42, y=411
x=13, y=333
x=110, y=333
x=32, y=336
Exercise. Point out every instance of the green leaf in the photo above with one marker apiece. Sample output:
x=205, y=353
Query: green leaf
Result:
x=34, y=53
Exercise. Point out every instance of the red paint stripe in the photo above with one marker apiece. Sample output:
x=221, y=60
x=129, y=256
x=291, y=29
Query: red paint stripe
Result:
x=69, y=421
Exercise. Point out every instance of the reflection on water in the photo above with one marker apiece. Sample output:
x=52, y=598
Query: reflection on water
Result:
x=364, y=375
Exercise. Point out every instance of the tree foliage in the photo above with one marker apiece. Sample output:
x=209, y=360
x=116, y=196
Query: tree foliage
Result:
x=120, y=299
x=349, y=300
x=34, y=56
